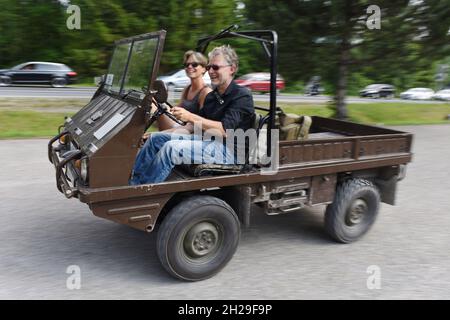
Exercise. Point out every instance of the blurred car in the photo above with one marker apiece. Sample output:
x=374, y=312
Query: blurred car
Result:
x=56, y=74
x=178, y=80
x=417, y=94
x=378, y=90
x=313, y=87
x=259, y=81
x=442, y=95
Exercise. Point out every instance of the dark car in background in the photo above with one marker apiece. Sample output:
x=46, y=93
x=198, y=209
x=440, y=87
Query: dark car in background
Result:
x=378, y=91
x=56, y=74
x=259, y=81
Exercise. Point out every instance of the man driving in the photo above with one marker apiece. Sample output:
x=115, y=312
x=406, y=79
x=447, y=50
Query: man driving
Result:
x=228, y=107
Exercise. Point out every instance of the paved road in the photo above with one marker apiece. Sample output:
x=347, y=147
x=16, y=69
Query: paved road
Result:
x=280, y=257
x=87, y=92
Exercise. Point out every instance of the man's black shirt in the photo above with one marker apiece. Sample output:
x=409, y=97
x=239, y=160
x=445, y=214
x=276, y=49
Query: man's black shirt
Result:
x=234, y=108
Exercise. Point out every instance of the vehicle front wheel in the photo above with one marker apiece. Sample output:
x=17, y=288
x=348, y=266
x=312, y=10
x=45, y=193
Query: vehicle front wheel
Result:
x=198, y=238
x=353, y=211
x=59, y=82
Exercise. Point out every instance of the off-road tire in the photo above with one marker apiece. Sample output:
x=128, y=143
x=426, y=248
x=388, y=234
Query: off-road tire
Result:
x=341, y=222
x=209, y=221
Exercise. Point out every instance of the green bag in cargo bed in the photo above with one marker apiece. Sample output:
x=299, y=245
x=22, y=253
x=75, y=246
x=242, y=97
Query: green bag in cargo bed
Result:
x=294, y=127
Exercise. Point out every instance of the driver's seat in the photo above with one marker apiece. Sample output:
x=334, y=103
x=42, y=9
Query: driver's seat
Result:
x=200, y=170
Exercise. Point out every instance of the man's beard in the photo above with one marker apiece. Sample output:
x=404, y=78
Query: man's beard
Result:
x=220, y=83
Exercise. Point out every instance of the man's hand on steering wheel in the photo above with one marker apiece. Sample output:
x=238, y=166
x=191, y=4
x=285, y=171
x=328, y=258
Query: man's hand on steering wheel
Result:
x=181, y=114
x=160, y=109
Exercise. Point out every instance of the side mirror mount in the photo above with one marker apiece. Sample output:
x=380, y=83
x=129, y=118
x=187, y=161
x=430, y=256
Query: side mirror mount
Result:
x=99, y=80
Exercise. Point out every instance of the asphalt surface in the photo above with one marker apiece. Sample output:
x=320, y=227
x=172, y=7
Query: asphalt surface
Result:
x=45, y=92
x=280, y=257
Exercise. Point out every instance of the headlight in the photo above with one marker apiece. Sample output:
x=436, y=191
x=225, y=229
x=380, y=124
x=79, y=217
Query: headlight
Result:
x=64, y=139
x=84, y=169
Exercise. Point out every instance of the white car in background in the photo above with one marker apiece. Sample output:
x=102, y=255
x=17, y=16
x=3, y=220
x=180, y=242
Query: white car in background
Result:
x=417, y=94
x=442, y=95
x=178, y=80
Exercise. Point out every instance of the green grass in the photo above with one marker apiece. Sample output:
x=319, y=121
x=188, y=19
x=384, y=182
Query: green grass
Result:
x=381, y=113
x=400, y=114
x=19, y=120
x=27, y=124
x=82, y=84
x=307, y=109
x=27, y=103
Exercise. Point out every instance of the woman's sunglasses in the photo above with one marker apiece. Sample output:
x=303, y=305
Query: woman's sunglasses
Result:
x=215, y=67
x=193, y=64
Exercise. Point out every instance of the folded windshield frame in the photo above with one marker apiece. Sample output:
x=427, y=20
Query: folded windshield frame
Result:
x=134, y=65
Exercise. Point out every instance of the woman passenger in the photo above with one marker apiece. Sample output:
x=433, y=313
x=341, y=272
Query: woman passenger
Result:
x=193, y=96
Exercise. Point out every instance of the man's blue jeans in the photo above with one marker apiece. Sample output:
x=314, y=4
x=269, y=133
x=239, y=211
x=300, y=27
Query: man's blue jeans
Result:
x=163, y=151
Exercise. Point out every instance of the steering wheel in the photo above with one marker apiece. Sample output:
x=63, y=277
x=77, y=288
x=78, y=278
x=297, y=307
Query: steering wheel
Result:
x=161, y=109
x=159, y=99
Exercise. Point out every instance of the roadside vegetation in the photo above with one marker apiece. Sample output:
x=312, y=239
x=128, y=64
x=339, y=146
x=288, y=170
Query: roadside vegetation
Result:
x=343, y=42
x=30, y=118
x=382, y=113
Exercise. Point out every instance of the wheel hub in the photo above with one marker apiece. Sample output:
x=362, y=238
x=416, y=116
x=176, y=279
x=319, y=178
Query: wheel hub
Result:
x=201, y=239
x=356, y=212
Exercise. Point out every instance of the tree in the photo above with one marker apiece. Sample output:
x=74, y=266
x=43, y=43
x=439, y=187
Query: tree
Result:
x=27, y=33
x=36, y=30
x=332, y=37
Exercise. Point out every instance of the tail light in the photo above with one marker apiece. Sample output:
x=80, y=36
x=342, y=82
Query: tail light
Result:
x=72, y=74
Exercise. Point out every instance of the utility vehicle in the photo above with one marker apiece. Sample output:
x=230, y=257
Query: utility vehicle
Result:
x=199, y=210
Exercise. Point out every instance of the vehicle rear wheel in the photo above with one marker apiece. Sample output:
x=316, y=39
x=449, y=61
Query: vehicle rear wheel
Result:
x=198, y=237
x=5, y=81
x=59, y=82
x=353, y=211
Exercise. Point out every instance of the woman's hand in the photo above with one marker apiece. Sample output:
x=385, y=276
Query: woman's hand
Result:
x=146, y=135
x=153, y=108
x=144, y=139
x=182, y=114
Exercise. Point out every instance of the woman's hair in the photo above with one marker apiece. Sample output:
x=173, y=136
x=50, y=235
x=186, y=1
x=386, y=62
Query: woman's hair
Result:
x=196, y=56
x=227, y=53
